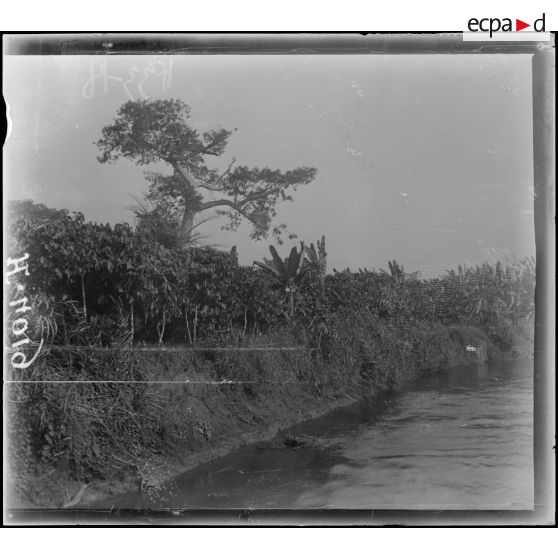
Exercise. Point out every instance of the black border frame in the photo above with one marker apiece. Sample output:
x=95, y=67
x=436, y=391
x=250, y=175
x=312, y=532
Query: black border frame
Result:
x=397, y=42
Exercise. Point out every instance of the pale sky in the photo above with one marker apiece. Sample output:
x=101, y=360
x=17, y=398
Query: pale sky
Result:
x=426, y=159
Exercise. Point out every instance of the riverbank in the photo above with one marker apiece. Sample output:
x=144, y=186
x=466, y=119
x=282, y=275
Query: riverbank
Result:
x=239, y=397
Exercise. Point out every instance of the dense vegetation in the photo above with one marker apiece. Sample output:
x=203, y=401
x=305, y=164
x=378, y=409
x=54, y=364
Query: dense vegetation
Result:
x=93, y=286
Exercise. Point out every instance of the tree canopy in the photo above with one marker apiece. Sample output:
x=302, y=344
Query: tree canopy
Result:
x=150, y=131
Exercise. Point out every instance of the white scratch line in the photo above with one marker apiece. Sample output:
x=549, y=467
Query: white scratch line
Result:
x=183, y=382
x=435, y=230
x=169, y=349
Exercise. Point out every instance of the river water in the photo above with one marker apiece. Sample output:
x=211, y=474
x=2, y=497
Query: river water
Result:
x=461, y=439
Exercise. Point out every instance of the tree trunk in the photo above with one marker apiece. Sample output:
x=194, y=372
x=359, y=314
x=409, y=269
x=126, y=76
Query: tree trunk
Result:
x=132, y=324
x=186, y=229
x=83, y=298
x=188, y=325
x=161, y=329
x=195, y=324
x=291, y=304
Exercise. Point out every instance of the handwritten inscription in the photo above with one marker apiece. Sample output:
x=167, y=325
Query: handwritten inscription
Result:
x=20, y=308
x=100, y=77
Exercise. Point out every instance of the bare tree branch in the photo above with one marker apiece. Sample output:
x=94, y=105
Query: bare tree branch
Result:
x=215, y=186
x=217, y=203
x=190, y=179
x=260, y=194
x=232, y=205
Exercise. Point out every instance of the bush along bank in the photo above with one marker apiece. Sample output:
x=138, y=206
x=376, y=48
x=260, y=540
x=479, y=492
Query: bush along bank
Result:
x=237, y=352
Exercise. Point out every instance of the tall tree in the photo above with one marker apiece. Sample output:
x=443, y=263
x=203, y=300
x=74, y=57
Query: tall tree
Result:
x=146, y=132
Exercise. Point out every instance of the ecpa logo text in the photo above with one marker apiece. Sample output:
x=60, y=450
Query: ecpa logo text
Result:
x=505, y=25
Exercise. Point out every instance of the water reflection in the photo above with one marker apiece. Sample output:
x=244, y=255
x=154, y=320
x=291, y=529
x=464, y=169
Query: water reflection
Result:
x=457, y=441
x=461, y=439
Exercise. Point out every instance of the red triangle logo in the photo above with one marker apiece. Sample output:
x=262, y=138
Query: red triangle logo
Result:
x=519, y=25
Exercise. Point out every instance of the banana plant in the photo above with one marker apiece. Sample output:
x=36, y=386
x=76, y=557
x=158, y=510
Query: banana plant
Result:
x=317, y=259
x=396, y=271
x=286, y=271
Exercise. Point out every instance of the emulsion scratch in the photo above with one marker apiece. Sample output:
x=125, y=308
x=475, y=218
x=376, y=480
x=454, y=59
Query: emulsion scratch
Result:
x=349, y=127
x=356, y=88
x=435, y=230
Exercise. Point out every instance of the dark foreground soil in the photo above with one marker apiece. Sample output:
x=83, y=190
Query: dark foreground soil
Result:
x=235, y=423
x=214, y=419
